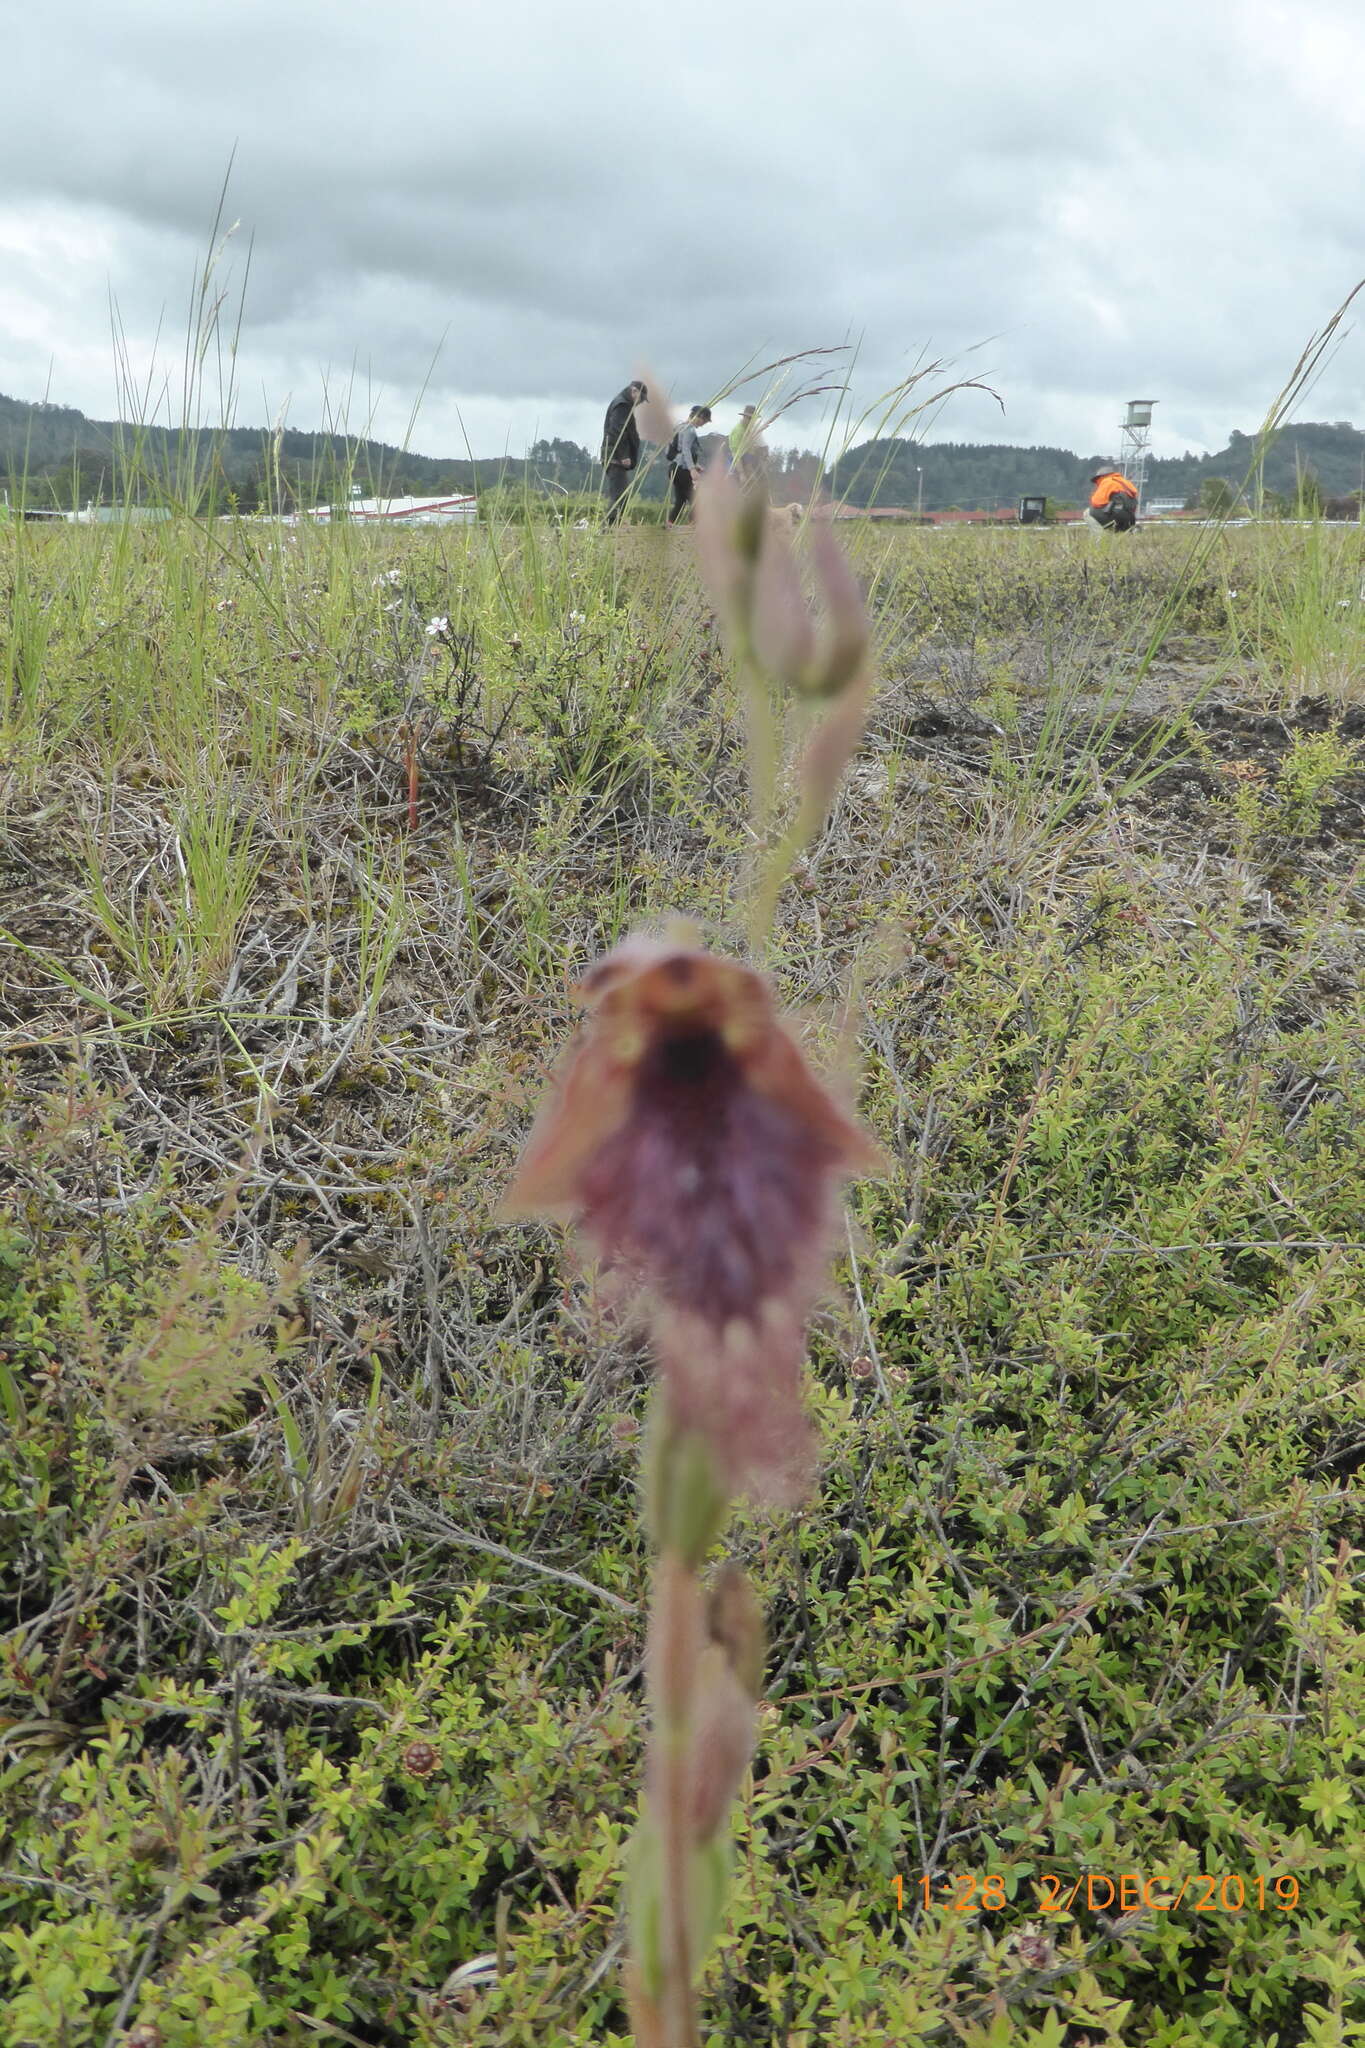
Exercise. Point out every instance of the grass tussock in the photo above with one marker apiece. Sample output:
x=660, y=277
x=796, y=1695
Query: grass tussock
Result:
x=320, y=1661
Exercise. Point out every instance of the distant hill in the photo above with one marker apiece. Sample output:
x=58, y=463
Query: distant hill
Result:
x=56, y=455
x=976, y=475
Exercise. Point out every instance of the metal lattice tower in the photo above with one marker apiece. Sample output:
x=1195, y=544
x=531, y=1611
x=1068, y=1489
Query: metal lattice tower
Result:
x=1135, y=438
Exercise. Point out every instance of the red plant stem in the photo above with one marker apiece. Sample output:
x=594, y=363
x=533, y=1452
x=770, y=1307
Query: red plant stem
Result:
x=412, y=777
x=646, y=2021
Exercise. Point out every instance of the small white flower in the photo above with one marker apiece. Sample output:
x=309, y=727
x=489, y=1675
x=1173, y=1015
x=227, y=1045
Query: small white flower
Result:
x=1230, y=594
x=396, y=606
x=435, y=627
x=388, y=576
x=1343, y=604
x=578, y=618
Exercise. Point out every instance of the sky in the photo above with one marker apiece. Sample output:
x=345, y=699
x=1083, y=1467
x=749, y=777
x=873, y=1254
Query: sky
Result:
x=464, y=224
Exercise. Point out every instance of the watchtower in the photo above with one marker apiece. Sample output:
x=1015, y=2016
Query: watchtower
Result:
x=1135, y=438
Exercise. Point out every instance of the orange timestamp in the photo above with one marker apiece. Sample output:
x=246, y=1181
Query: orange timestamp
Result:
x=1129, y=1891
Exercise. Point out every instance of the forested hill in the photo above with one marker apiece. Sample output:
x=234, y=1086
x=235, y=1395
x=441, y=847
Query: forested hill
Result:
x=55, y=454
x=980, y=474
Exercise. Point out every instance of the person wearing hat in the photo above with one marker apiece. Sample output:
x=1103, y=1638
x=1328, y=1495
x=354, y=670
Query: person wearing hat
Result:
x=684, y=461
x=748, y=455
x=621, y=446
x=1113, y=501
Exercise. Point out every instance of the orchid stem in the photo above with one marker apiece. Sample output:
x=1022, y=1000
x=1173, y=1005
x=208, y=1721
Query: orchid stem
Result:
x=677, y=1592
x=763, y=770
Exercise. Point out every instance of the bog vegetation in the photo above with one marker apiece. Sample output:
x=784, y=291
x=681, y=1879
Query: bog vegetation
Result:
x=320, y=1667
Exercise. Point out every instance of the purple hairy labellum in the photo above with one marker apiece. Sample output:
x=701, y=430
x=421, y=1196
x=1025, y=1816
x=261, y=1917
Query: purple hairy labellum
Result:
x=695, y=1149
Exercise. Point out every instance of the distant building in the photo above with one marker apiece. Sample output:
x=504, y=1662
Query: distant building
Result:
x=1003, y=515
x=458, y=511
x=92, y=515
x=901, y=512
x=115, y=515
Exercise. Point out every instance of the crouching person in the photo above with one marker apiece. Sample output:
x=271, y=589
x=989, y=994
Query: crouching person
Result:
x=1113, y=501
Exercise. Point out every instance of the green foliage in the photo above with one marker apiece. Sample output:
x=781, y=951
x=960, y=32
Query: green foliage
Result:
x=1216, y=496
x=319, y=1675
x=1309, y=617
x=1314, y=763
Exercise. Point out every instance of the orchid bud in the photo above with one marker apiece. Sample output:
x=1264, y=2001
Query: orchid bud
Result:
x=729, y=1677
x=729, y=526
x=685, y=1500
x=710, y=1872
x=645, y=1906
x=781, y=632
x=748, y=564
x=844, y=643
x=656, y=415
x=708, y=1882
x=830, y=749
x=734, y=1621
x=722, y=1742
x=751, y=523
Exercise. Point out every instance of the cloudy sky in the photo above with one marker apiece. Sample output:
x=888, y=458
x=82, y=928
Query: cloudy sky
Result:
x=487, y=212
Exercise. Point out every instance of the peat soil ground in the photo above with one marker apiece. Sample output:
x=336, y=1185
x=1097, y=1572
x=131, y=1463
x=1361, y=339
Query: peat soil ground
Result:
x=1176, y=752
x=1195, y=778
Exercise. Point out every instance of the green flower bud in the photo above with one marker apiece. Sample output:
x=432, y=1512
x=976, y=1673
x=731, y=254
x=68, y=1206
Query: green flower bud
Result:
x=685, y=1502
x=645, y=1907
x=710, y=1880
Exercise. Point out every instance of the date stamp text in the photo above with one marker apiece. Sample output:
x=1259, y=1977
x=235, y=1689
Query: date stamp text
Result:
x=1098, y=1891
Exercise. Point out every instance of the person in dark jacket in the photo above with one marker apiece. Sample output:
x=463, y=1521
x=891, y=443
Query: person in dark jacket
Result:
x=621, y=447
x=685, y=462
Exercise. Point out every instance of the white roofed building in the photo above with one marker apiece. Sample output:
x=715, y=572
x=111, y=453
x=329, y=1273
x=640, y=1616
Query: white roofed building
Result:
x=461, y=510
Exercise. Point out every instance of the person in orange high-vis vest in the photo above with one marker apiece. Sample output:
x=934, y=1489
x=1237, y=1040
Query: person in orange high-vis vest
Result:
x=1113, y=500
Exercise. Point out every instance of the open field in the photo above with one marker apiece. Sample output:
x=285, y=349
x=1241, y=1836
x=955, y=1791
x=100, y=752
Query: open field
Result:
x=320, y=1655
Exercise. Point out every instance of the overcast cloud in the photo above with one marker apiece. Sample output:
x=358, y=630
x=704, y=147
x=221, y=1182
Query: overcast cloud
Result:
x=512, y=205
